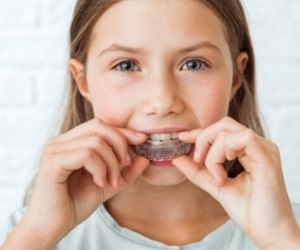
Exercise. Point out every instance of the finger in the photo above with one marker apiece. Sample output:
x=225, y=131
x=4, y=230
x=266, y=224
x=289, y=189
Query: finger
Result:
x=100, y=147
x=198, y=174
x=192, y=136
x=59, y=167
x=257, y=155
x=208, y=135
x=203, y=138
x=98, y=127
x=117, y=139
x=189, y=136
x=133, y=171
x=225, y=123
x=133, y=137
x=218, y=153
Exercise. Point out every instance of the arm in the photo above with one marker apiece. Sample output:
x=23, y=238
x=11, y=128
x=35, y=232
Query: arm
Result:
x=22, y=238
x=256, y=199
x=290, y=241
x=78, y=171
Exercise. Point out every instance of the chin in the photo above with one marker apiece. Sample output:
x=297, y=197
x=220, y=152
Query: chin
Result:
x=162, y=176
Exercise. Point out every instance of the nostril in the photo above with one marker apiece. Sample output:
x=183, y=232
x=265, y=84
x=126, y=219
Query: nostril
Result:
x=161, y=105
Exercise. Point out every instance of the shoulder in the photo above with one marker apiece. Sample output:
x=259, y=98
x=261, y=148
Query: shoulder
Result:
x=101, y=231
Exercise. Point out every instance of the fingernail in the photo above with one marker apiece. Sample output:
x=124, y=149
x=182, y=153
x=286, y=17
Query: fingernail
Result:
x=185, y=133
x=127, y=158
x=138, y=134
x=116, y=182
x=101, y=183
x=196, y=155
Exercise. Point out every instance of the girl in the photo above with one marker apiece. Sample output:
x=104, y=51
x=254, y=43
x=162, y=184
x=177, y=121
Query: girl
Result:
x=161, y=146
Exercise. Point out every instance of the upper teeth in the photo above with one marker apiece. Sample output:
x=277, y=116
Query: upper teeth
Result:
x=163, y=137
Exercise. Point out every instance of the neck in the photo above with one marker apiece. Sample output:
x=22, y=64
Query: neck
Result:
x=180, y=209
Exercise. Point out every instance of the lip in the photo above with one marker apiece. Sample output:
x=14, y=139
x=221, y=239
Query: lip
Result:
x=163, y=130
x=168, y=163
x=161, y=164
x=164, y=163
x=162, y=154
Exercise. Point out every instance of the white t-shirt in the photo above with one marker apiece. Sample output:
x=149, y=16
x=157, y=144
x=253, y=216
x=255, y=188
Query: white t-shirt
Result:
x=101, y=232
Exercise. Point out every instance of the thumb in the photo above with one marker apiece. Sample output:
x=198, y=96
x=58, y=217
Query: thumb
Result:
x=198, y=174
x=130, y=174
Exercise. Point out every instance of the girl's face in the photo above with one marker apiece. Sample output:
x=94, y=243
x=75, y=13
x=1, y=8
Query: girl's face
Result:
x=159, y=66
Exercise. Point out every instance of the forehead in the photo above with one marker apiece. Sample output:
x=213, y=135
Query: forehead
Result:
x=164, y=21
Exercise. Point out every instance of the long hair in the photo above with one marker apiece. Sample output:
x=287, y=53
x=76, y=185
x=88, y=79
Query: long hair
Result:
x=243, y=106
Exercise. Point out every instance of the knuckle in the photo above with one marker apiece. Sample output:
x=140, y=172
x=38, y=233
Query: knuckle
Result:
x=122, y=141
x=208, y=162
x=49, y=165
x=47, y=147
x=97, y=122
x=50, y=141
x=250, y=135
x=97, y=141
x=227, y=120
x=222, y=135
x=88, y=153
x=199, y=138
x=274, y=148
x=50, y=144
x=47, y=159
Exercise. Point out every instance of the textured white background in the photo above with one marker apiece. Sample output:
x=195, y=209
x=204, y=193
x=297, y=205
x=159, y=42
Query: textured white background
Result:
x=33, y=56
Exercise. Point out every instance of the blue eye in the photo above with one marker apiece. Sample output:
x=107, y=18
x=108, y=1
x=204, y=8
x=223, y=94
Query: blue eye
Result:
x=126, y=66
x=194, y=65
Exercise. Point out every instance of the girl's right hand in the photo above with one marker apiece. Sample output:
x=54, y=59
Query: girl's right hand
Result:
x=79, y=170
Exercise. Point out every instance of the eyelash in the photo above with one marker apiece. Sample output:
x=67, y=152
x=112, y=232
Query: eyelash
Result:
x=118, y=66
x=134, y=68
x=203, y=65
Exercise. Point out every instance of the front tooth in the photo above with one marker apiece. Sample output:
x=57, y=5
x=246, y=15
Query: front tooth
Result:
x=174, y=135
x=155, y=137
x=165, y=137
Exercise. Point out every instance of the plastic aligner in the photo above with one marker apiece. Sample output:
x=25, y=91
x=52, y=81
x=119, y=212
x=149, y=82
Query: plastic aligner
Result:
x=162, y=150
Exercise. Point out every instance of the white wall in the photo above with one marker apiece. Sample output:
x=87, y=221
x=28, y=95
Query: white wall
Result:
x=275, y=27
x=33, y=54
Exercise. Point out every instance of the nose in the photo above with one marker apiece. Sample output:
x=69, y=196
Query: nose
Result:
x=161, y=96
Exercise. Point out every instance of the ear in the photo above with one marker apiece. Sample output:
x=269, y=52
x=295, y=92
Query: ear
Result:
x=241, y=63
x=78, y=72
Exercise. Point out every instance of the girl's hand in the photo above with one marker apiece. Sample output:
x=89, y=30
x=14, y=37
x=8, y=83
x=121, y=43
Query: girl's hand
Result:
x=79, y=170
x=256, y=199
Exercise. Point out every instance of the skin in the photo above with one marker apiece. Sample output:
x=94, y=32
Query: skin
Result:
x=94, y=163
x=159, y=95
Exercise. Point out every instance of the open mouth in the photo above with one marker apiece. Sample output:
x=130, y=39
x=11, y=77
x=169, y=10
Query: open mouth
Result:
x=162, y=147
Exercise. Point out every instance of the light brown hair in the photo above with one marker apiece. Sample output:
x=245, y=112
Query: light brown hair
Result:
x=243, y=107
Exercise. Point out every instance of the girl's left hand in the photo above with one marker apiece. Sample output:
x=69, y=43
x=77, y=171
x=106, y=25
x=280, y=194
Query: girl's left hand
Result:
x=256, y=199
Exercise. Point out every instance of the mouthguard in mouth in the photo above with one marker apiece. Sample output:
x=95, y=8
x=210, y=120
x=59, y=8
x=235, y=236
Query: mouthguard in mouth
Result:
x=162, y=147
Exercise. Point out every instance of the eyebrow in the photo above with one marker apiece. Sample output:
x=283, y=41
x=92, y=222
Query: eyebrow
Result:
x=201, y=45
x=120, y=48
x=131, y=50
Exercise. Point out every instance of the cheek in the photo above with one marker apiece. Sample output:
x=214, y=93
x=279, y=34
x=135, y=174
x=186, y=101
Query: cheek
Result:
x=113, y=107
x=211, y=105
